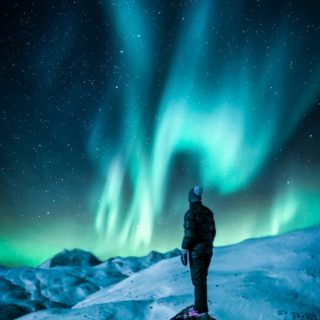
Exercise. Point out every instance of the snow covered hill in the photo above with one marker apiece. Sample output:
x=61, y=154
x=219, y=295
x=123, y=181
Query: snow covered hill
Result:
x=259, y=279
x=62, y=281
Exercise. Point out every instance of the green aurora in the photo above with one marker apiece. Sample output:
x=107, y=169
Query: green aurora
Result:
x=209, y=94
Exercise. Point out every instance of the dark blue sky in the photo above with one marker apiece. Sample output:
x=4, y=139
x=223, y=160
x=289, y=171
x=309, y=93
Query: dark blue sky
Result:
x=112, y=110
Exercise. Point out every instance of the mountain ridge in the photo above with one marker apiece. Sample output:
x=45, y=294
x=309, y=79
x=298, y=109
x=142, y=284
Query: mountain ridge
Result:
x=262, y=278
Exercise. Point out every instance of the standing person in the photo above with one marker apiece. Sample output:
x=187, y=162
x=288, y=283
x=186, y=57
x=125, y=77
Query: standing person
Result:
x=197, y=245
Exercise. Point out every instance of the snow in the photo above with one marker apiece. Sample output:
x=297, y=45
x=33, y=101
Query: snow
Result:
x=258, y=279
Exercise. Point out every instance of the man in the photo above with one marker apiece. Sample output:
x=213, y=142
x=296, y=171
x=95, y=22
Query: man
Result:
x=197, y=244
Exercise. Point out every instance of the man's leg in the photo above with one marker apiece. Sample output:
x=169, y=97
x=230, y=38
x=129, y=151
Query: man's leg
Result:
x=199, y=264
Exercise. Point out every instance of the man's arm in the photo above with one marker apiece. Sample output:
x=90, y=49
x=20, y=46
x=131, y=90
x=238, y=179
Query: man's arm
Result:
x=213, y=231
x=189, y=231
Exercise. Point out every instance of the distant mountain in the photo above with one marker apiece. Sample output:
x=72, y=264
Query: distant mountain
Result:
x=75, y=257
x=64, y=280
x=273, y=278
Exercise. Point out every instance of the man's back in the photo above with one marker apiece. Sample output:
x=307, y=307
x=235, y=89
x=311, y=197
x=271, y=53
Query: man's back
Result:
x=199, y=227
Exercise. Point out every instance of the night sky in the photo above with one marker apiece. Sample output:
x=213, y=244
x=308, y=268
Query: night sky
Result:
x=112, y=110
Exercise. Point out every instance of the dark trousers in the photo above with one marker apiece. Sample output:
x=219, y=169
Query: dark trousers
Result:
x=199, y=265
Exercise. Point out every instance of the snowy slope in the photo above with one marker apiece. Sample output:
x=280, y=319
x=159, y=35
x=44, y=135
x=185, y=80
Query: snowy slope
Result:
x=64, y=280
x=259, y=279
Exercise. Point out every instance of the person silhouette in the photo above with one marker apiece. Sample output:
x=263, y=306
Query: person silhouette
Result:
x=197, y=248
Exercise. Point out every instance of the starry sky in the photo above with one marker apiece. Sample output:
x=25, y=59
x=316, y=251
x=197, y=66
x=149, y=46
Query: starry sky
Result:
x=112, y=110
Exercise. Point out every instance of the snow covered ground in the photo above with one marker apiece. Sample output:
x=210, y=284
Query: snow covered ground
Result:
x=259, y=279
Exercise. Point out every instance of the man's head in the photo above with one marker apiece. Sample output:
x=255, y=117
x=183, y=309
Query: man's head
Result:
x=195, y=194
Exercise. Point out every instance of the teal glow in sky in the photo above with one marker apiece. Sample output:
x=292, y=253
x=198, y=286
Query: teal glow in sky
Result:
x=229, y=111
x=111, y=111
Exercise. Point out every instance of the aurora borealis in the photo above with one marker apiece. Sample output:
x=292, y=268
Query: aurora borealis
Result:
x=112, y=110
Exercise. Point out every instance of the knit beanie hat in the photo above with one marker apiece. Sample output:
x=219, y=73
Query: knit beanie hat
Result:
x=195, y=194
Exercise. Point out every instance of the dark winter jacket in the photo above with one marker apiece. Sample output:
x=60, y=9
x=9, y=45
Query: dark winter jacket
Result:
x=199, y=227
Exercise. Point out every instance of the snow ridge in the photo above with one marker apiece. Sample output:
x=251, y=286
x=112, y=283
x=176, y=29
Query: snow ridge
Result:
x=259, y=279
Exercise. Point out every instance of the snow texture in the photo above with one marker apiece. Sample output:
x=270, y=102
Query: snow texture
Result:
x=258, y=279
